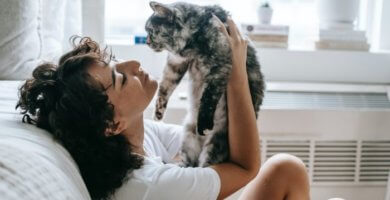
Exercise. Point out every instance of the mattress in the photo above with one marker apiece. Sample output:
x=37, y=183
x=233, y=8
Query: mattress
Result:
x=32, y=164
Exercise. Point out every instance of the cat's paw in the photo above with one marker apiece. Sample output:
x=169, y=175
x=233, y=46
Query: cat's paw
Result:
x=204, y=127
x=181, y=164
x=160, y=109
x=205, y=121
x=157, y=116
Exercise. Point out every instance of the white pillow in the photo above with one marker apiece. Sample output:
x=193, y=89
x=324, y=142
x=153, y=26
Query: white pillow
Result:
x=20, y=38
x=32, y=164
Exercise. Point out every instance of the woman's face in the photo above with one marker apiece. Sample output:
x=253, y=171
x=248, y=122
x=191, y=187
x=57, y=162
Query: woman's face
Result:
x=129, y=88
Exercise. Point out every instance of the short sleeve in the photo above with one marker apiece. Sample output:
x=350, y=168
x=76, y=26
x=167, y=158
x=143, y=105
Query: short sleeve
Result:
x=170, y=135
x=172, y=182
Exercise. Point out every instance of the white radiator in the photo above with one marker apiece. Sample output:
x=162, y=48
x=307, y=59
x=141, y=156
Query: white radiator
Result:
x=340, y=131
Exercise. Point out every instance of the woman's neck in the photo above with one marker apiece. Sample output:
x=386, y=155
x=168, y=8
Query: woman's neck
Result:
x=135, y=135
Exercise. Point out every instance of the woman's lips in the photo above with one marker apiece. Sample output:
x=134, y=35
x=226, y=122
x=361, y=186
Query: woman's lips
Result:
x=144, y=76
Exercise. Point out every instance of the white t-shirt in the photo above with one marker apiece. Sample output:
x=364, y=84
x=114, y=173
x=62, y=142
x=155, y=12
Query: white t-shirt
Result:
x=156, y=180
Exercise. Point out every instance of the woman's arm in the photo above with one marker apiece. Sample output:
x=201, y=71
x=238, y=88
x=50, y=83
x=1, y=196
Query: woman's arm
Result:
x=244, y=162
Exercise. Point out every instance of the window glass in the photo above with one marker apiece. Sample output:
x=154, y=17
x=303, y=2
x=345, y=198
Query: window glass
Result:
x=125, y=18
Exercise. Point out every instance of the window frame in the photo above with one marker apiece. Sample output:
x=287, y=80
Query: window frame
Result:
x=278, y=64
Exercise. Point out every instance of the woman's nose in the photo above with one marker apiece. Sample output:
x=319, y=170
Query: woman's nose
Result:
x=132, y=65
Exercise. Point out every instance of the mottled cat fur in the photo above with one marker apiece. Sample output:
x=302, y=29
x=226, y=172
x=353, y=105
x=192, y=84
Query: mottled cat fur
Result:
x=195, y=44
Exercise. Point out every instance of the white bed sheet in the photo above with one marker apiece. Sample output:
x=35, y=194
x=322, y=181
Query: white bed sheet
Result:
x=32, y=164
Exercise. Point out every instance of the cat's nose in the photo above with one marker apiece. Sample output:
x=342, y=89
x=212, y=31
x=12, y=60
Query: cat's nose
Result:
x=148, y=41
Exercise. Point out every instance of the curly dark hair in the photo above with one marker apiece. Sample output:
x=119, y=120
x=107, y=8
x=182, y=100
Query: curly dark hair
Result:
x=74, y=107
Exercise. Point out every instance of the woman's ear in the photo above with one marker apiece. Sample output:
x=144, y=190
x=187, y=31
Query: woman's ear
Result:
x=120, y=127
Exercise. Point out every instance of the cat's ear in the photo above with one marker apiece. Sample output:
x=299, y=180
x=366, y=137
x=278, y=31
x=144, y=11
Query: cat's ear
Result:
x=161, y=9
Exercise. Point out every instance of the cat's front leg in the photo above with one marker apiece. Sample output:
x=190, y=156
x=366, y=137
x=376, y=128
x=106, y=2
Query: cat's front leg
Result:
x=172, y=75
x=191, y=146
x=215, y=86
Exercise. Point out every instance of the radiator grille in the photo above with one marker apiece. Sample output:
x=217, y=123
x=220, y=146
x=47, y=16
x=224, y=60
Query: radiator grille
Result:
x=341, y=161
x=374, y=161
x=334, y=161
x=300, y=149
x=323, y=100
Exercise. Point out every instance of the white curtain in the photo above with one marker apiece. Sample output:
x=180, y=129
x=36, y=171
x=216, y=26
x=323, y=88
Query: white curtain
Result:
x=93, y=12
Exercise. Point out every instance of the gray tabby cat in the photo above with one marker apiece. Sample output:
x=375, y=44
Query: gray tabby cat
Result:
x=195, y=44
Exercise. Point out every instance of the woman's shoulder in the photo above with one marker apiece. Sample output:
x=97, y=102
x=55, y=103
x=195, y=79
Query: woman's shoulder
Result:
x=150, y=168
x=163, y=139
x=161, y=126
x=154, y=169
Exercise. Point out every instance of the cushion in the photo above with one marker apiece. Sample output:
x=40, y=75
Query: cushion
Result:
x=32, y=164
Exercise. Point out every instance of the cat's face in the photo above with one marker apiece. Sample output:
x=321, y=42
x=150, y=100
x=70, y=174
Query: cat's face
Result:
x=166, y=28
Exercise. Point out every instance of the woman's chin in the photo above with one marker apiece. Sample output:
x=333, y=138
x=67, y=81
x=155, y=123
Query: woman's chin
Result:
x=152, y=79
x=152, y=87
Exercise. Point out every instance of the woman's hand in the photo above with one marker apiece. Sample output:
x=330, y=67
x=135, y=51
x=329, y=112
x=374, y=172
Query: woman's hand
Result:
x=238, y=47
x=243, y=136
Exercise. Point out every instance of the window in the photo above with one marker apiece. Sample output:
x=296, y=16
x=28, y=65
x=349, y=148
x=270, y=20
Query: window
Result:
x=125, y=18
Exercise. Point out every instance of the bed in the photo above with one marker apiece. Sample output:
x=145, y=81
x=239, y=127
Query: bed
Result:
x=32, y=164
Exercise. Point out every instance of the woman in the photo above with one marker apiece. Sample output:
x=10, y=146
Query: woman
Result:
x=94, y=107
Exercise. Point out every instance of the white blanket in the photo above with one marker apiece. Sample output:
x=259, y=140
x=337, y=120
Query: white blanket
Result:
x=32, y=164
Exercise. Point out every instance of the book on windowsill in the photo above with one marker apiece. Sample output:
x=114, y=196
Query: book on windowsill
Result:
x=342, y=45
x=342, y=40
x=282, y=45
x=342, y=33
x=267, y=35
x=268, y=38
x=265, y=29
x=335, y=25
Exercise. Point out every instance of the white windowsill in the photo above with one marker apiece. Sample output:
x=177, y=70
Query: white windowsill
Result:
x=291, y=65
x=178, y=102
